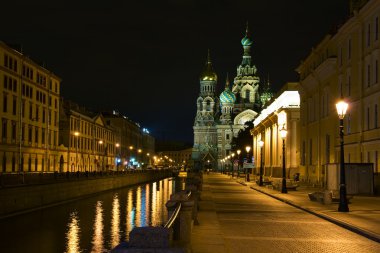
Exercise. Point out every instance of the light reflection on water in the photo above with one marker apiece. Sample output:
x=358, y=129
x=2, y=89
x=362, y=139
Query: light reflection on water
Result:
x=97, y=238
x=94, y=224
x=115, y=222
x=72, y=234
x=144, y=206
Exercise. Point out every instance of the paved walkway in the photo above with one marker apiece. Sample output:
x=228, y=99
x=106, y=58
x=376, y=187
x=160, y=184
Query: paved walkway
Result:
x=243, y=217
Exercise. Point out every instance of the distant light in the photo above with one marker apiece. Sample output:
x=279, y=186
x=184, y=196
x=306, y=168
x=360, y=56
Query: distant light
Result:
x=145, y=130
x=118, y=160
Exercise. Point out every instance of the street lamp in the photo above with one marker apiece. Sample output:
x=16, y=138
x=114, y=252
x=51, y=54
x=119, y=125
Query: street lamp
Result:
x=76, y=134
x=232, y=164
x=238, y=152
x=283, y=134
x=101, y=151
x=247, y=148
x=261, y=144
x=118, y=160
x=341, y=108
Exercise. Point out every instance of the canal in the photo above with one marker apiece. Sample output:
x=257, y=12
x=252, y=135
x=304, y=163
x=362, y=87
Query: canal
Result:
x=94, y=224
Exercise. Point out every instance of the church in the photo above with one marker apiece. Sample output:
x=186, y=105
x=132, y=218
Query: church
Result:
x=219, y=118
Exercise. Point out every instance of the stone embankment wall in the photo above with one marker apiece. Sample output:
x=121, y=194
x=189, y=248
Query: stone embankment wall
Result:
x=16, y=200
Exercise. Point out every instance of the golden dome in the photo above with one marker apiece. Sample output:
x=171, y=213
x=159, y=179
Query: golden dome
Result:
x=208, y=73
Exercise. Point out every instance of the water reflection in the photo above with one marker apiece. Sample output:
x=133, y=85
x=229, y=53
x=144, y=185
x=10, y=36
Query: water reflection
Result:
x=130, y=215
x=93, y=224
x=97, y=239
x=72, y=235
x=115, y=222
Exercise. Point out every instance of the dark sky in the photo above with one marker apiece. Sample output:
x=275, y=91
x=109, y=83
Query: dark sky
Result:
x=144, y=57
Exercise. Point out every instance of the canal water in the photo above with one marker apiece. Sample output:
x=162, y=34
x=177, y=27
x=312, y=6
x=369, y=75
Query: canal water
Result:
x=95, y=224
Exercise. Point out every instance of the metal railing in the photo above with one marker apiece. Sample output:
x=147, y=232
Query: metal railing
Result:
x=174, y=216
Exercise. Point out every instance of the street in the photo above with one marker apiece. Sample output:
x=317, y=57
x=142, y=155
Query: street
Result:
x=235, y=218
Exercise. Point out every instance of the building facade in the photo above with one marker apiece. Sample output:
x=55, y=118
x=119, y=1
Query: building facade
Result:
x=29, y=112
x=282, y=112
x=220, y=118
x=90, y=144
x=135, y=145
x=345, y=64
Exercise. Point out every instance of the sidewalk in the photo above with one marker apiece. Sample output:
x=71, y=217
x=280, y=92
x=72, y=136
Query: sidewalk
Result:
x=363, y=217
x=219, y=210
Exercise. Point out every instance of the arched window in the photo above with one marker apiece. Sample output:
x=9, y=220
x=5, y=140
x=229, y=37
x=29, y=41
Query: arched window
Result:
x=208, y=106
x=247, y=94
x=4, y=163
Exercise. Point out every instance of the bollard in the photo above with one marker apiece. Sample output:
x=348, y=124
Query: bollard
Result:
x=183, y=225
x=195, y=194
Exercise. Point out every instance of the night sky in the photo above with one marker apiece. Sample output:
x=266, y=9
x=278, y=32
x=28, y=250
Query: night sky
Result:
x=144, y=58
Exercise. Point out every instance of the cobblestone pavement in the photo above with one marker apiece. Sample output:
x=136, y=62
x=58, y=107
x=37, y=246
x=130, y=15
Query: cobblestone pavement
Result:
x=235, y=218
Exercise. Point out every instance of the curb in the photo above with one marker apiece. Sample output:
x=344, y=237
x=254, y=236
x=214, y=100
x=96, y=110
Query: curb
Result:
x=368, y=234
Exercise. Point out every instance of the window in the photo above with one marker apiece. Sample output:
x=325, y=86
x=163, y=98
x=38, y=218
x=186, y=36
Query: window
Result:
x=14, y=105
x=43, y=136
x=43, y=115
x=369, y=35
x=4, y=163
x=30, y=111
x=14, y=133
x=368, y=75
x=376, y=71
x=349, y=85
x=247, y=95
x=349, y=123
x=23, y=108
x=375, y=118
x=368, y=120
x=23, y=132
x=37, y=113
x=4, y=129
x=30, y=131
x=227, y=136
x=36, y=135
x=5, y=102
x=377, y=28
x=349, y=49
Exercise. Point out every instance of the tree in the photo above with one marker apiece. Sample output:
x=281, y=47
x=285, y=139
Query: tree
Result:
x=243, y=139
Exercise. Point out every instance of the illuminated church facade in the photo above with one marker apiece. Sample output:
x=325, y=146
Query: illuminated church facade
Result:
x=220, y=117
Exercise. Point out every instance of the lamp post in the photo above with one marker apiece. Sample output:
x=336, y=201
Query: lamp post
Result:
x=118, y=160
x=247, y=148
x=261, y=144
x=283, y=134
x=238, y=172
x=139, y=151
x=232, y=164
x=229, y=159
x=76, y=134
x=101, y=151
x=341, y=108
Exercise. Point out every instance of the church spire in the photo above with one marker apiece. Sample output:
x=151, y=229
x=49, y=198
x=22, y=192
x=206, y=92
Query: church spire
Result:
x=227, y=82
x=208, y=73
x=246, y=42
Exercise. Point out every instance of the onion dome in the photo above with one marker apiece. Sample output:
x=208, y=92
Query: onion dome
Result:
x=246, y=41
x=227, y=96
x=208, y=73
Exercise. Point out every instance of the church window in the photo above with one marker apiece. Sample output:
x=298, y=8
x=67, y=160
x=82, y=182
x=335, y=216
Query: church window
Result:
x=208, y=106
x=247, y=95
x=227, y=136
